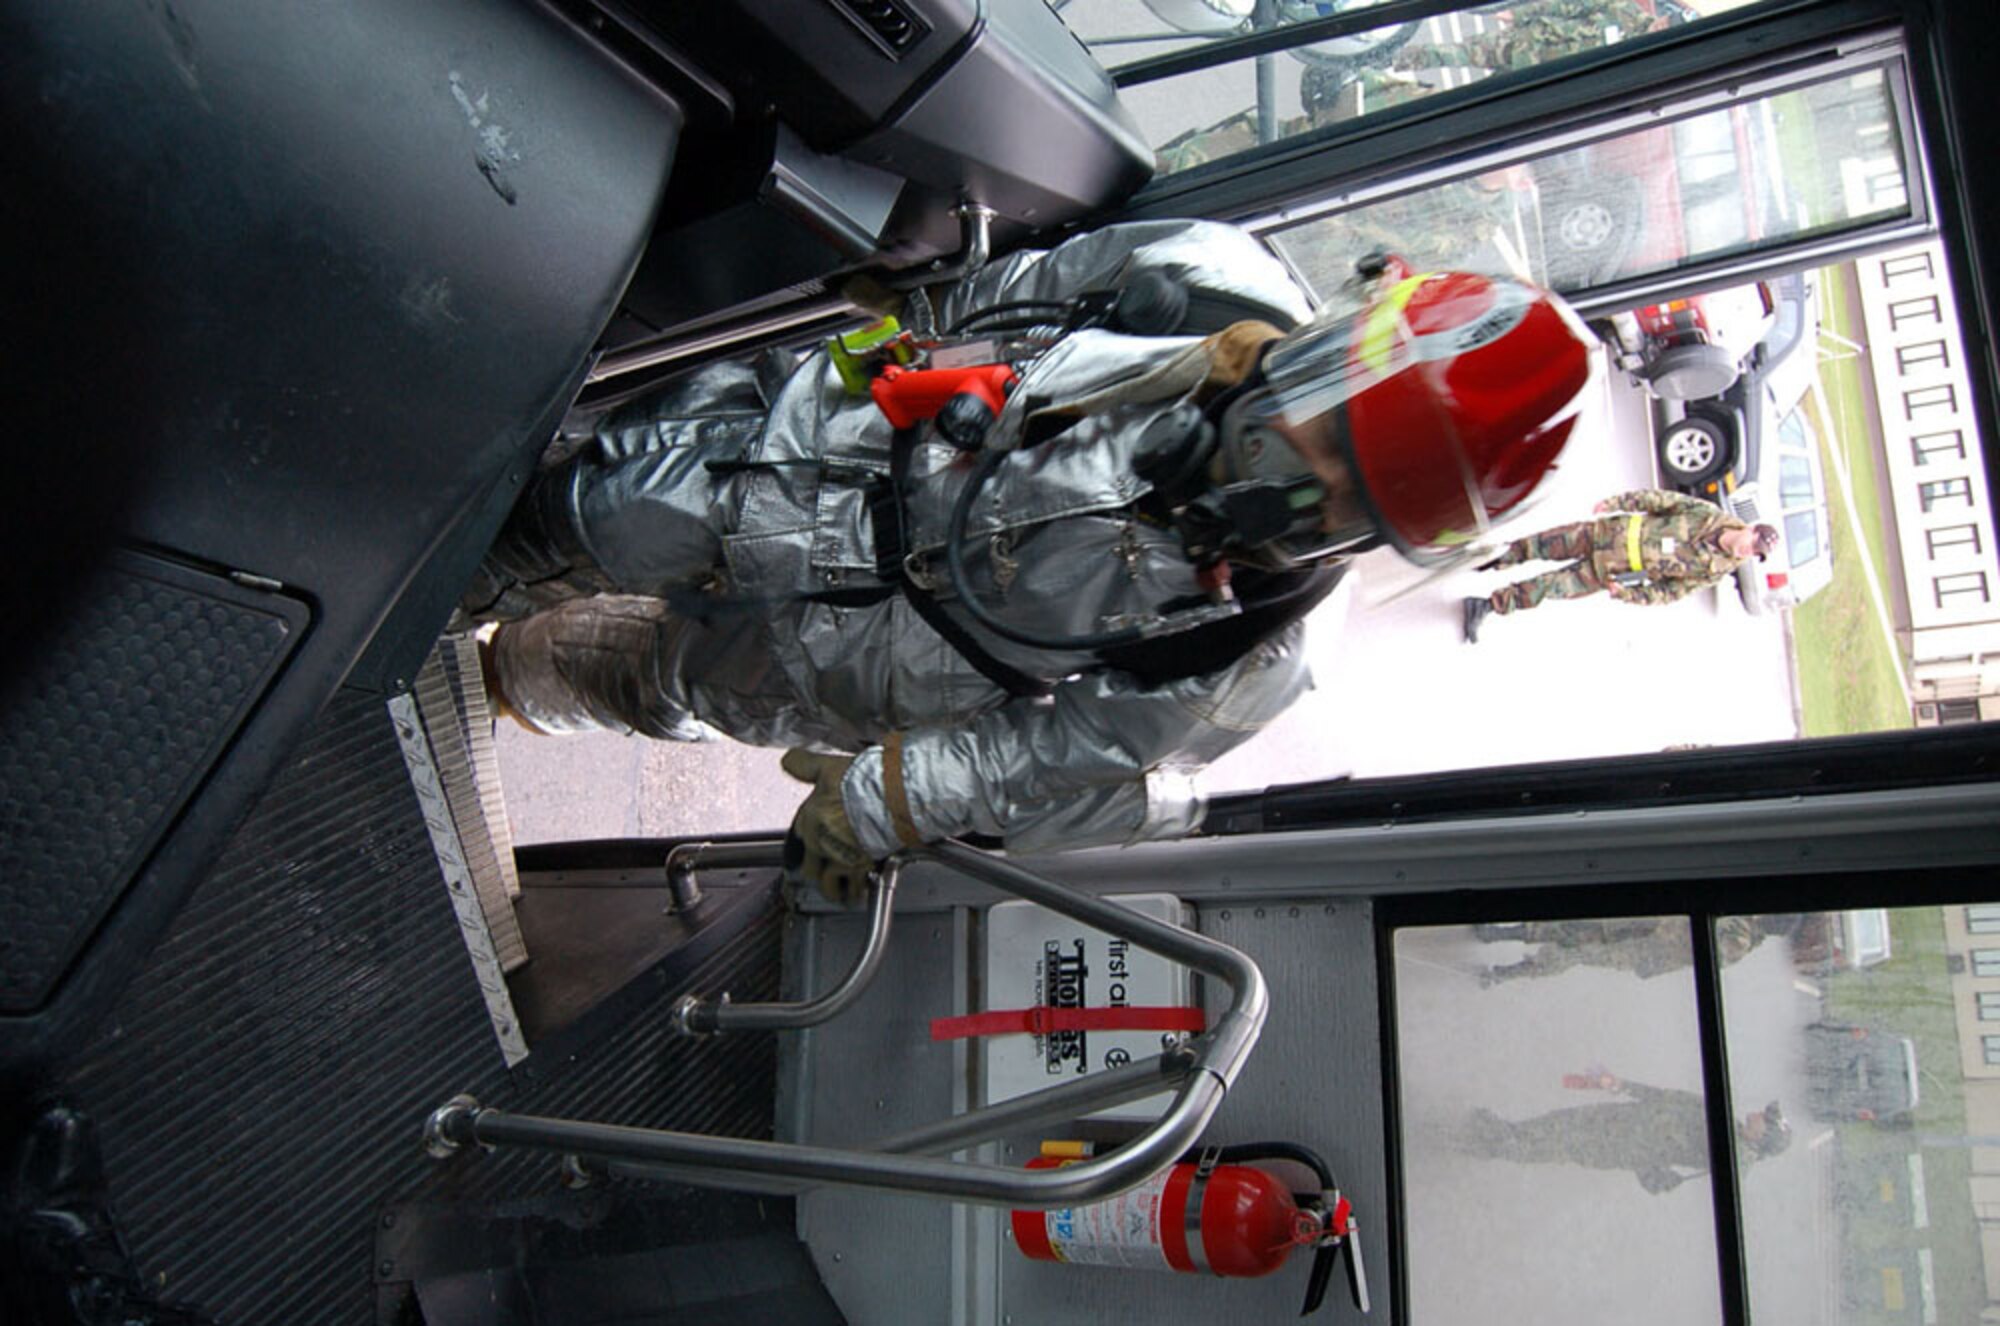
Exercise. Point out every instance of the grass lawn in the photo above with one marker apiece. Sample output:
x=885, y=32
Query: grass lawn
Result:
x=1848, y=676
x=1848, y=430
x=1910, y=995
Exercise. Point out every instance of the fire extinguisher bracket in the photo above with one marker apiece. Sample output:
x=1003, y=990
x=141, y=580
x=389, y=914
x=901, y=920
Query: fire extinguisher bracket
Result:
x=917, y=1161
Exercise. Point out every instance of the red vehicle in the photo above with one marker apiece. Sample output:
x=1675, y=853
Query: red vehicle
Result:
x=1644, y=202
x=1693, y=348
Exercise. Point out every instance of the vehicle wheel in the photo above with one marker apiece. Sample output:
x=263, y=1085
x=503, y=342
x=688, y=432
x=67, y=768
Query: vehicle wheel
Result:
x=1691, y=372
x=1585, y=225
x=1693, y=450
x=1363, y=50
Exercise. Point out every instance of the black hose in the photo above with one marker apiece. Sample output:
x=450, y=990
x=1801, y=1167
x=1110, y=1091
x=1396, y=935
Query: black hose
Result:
x=980, y=315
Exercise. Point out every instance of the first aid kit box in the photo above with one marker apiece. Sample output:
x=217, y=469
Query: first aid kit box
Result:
x=1036, y=958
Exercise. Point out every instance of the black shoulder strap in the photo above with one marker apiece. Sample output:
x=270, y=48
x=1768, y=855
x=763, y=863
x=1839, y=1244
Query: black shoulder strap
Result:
x=1272, y=600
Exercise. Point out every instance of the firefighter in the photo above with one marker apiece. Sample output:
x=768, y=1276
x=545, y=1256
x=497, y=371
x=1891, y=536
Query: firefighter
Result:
x=1646, y=546
x=1041, y=638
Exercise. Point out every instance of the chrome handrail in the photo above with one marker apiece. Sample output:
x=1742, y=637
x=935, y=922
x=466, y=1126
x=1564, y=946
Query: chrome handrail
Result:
x=694, y=1015
x=1200, y=1082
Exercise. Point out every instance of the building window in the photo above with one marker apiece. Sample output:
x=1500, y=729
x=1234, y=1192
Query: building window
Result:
x=1991, y=1044
x=1957, y=711
x=1917, y=265
x=1923, y=352
x=1945, y=490
x=1986, y=962
x=1942, y=397
x=1952, y=536
x=1983, y=919
x=1989, y=1005
x=1967, y=584
x=1926, y=447
x=1924, y=308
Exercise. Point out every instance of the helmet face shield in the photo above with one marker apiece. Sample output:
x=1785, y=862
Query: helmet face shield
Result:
x=1289, y=430
x=1425, y=415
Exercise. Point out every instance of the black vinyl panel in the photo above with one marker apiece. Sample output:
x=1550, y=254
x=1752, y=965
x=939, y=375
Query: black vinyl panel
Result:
x=262, y=1084
x=305, y=288
x=106, y=735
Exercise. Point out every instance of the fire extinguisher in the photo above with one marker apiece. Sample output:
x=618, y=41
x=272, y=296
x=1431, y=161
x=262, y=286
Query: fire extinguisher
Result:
x=1210, y=1213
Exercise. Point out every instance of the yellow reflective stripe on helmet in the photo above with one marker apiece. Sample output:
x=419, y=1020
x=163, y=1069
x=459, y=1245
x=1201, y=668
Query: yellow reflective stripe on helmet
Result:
x=1378, y=333
x=1632, y=524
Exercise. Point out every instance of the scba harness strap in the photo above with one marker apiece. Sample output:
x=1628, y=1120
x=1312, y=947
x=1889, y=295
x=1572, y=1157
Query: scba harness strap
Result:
x=1271, y=601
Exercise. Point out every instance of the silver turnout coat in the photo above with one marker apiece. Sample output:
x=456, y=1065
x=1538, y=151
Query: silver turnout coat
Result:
x=710, y=632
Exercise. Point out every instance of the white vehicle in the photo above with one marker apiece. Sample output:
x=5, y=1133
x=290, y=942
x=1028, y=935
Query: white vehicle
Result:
x=1752, y=451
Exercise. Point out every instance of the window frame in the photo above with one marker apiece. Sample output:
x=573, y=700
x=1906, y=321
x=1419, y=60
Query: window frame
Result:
x=1934, y=491
x=1707, y=65
x=1932, y=546
x=1983, y=588
x=1917, y=309
x=1922, y=455
x=1931, y=399
x=1937, y=351
x=1906, y=267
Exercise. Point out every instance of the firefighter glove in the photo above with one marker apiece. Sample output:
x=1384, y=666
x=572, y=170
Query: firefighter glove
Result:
x=822, y=848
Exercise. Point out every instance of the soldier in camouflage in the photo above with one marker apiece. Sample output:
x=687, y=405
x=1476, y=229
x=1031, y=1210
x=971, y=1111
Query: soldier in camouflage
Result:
x=1649, y=948
x=1646, y=546
x=1533, y=34
x=1658, y=1133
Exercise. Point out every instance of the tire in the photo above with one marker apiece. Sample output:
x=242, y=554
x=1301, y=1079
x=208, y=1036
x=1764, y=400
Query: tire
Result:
x=1350, y=55
x=1588, y=223
x=1691, y=372
x=1694, y=450
x=1585, y=225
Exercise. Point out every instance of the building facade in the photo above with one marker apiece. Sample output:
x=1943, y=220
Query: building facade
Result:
x=1937, y=485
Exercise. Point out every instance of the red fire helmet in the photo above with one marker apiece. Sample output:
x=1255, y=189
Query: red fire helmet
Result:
x=1446, y=397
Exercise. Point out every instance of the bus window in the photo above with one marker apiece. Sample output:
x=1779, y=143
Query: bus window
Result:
x=1555, y=1136
x=1879, y=1030
x=1757, y=174
x=1207, y=115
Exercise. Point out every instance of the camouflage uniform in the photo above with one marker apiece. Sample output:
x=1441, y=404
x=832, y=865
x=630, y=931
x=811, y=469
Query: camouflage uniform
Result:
x=1658, y=948
x=1236, y=134
x=1677, y=549
x=1534, y=34
x=1656, y=1133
